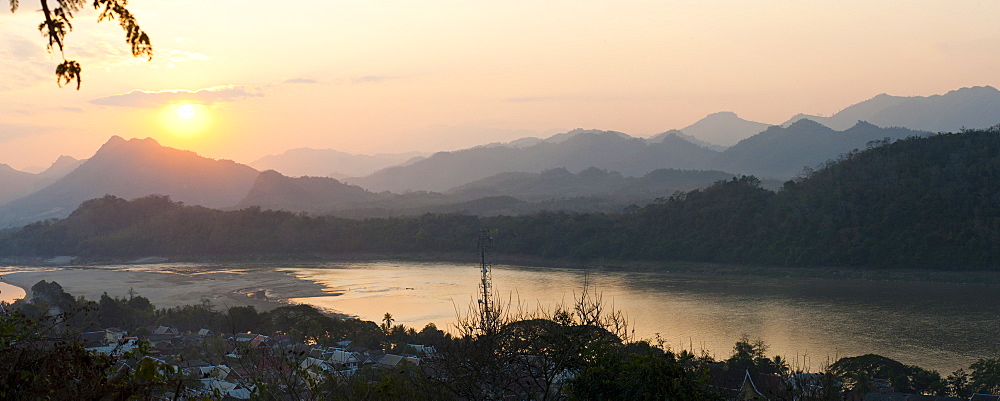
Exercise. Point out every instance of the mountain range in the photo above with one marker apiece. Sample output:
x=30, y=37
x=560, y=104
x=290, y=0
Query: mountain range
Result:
x=592, y=189
x=581, y=149
x=585, y=170
x=917, y=203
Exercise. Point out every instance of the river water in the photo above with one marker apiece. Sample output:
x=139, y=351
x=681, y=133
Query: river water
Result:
x=810, y=322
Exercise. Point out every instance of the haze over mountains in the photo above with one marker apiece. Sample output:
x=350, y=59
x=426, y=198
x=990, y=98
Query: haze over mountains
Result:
x=331, y=163
x=17, y=184
x=583, y=170
x=584, y=148
x=592, y=189
x=920, y=202
x=776, y=153
x=723, y=128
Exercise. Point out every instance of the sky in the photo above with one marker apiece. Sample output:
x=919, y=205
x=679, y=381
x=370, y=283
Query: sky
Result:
x=256, y=78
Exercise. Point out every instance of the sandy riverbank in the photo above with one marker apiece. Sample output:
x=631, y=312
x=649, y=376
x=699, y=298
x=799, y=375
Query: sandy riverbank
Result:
x=168, y=286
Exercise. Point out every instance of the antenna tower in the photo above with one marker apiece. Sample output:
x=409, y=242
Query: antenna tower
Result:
x=486, y=312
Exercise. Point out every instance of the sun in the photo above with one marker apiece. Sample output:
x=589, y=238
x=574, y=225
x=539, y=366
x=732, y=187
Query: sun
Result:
x=185, y=111
x=186, y=120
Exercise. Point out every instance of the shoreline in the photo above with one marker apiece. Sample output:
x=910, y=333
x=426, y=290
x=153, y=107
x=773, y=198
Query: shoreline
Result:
x=983, y=277
x=169, y=285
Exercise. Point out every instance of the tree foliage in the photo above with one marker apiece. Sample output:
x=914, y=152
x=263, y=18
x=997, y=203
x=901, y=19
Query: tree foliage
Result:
x=857, y=373
x=985, y=376
x=752, y=356
x=57, y=23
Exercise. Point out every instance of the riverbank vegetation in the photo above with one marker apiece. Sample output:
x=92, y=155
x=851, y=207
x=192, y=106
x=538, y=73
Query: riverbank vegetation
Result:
x=927, y=203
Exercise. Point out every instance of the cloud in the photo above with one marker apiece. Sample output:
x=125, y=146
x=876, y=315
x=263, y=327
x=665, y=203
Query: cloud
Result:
x=300, y=81
x=72, y=109
x=215, y=94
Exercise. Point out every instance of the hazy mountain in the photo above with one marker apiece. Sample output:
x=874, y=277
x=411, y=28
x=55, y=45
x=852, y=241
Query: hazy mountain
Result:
x=723, y=128
x=329, y=162
x=592, y=182
x=32, y=169
x=575, y=150
x=524, y=142
x=135, y=168
x=62, y=166
x=590, y=190
x=322, y=195
x=16, y=183
x=272, y=190
x=565, y=136
x=783, y=152
x=975, y=107
x=663, y=135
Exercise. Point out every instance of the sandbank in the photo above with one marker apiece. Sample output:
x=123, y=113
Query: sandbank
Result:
x=168, y=286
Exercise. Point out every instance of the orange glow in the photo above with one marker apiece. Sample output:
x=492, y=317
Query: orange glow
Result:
x=186, y=120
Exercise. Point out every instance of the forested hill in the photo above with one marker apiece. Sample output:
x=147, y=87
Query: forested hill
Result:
x=927, y=202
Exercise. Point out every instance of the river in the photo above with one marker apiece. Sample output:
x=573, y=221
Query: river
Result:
x=810, y=322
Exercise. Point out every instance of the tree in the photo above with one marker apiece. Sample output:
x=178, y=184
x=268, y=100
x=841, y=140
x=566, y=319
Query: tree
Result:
x=856, y=372
x=958, y=384
x=985, y=376
x=753, y=357
x=40, y=362
x=57, y=24
x=645, y=373
x=387, y=323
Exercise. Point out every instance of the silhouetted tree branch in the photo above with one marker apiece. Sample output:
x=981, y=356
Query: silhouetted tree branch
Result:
x=57, y=24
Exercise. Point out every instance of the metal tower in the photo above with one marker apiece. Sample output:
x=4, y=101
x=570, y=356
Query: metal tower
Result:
x=486, y=307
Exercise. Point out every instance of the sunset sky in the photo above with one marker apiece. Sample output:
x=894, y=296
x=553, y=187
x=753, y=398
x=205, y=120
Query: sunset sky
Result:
x=397, y=76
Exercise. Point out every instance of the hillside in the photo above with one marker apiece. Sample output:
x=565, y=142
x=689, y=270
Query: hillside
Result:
x=135, y=168
x=592, y=182
x=272, y=190
x=918, y=203
x=783, y=152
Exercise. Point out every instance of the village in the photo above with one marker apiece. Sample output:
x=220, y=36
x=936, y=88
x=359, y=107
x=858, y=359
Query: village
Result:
x=230, y=366
x=213, y=365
